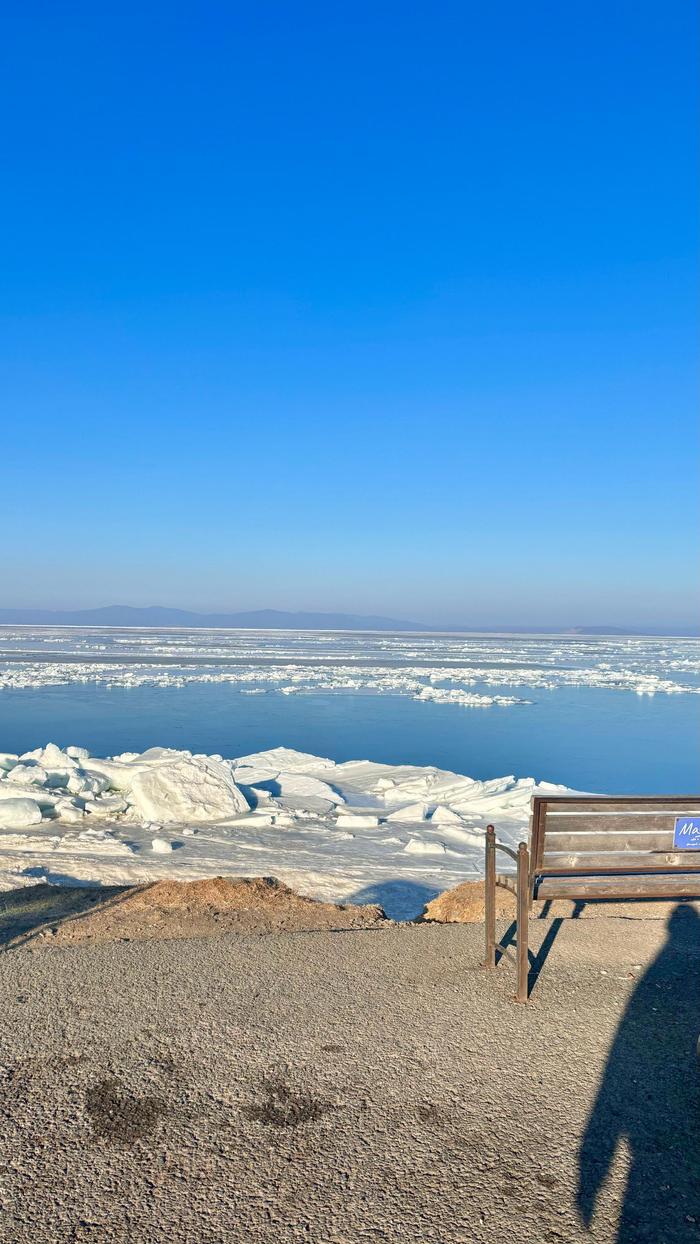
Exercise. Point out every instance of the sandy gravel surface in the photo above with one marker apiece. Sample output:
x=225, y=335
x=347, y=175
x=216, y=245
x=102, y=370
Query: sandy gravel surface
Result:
x=342, y=1088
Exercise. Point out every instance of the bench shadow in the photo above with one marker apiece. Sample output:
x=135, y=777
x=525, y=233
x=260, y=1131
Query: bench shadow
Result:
x=649, y=1099
x=538, y=958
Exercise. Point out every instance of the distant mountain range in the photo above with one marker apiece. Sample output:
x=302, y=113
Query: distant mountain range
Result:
x=157, y=616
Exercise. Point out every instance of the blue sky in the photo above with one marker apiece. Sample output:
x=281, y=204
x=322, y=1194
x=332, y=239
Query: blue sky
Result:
x=383, y=307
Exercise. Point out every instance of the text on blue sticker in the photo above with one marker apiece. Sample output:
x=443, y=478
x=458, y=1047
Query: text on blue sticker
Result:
x=686, y=833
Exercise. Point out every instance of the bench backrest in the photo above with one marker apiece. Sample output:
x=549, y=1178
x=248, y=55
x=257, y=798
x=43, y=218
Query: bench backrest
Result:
x=573, y=835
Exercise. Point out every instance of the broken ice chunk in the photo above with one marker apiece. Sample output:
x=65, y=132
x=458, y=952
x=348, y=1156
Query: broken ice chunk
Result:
x=410, y=812
x=445, y=816
x=349, y=820
x=19, y=813
x=106, y=803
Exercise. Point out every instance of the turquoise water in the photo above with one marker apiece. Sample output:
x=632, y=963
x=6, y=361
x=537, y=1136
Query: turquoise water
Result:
x=590, y=738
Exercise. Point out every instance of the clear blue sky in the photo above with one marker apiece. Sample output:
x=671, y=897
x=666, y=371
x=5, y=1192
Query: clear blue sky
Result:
x=378, y=307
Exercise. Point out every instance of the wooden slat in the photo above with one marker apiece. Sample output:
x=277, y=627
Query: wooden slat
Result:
x=611, y=823
x=636, y=840
x=537, y=838
x=679, y=804
x=532, y=832
x=620, y=861
x=670, y=885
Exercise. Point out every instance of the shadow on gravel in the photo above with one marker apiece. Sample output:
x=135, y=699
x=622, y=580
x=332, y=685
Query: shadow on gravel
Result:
x=537, y=959
x=400, y=900
x=31, y=910
x=649, y=1097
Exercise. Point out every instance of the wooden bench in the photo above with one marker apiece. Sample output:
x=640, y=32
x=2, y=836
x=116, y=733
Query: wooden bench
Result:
x=586, y=849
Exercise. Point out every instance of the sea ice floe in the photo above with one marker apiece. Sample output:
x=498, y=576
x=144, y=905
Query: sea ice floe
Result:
x=408, y=811
x=283, y=760
x=161, y=846
x=178, y=787
x=47, y=799
x=77, y=753
x=424, y=846
x=31, y=774
x=357, y=820
x=468, y=699
x=19, y=813
x=103, y=805
x=442, y=815
x=464, y=671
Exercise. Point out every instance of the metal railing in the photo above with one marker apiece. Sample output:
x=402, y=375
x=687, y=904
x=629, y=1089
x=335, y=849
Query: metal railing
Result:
x=521, y=889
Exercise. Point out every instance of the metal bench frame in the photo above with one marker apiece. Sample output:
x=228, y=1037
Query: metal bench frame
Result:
x=521, y=889
x=531, y=870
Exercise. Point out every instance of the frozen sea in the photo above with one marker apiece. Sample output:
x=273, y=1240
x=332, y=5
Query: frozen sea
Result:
x=615, y=715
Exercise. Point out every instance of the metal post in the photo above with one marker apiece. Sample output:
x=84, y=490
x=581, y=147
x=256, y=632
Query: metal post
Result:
x=490, y=897
x=523, y=906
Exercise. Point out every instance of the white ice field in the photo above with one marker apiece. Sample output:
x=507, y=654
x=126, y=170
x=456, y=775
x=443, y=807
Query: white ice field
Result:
x=469, y=670
x=356, y=831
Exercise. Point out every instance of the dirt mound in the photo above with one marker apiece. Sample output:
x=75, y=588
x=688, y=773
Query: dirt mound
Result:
x=215, y=894
x=57, y=915
x=465, y=904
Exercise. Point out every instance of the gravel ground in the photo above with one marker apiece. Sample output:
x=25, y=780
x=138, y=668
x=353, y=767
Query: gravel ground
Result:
x=352, y=1087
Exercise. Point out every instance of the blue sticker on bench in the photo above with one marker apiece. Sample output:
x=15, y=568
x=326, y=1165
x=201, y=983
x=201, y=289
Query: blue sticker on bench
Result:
x=686, y=833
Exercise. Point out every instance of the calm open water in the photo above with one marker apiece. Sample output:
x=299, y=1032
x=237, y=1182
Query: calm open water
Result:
x=589, y=738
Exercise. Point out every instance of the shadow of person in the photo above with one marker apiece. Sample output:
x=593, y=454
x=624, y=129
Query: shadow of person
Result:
x=649, y=1097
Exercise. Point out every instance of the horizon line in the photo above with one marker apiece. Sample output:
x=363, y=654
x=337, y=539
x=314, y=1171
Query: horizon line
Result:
x=330, y=620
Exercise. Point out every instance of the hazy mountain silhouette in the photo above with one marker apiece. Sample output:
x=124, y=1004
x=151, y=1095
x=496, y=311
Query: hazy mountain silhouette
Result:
x=159, y=616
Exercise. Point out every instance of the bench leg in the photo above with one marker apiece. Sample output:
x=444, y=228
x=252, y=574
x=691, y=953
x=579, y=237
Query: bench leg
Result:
x=522, y=918
x=490, y=897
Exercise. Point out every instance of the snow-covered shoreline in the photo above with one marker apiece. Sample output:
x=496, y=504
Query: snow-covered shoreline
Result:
x=356, y=831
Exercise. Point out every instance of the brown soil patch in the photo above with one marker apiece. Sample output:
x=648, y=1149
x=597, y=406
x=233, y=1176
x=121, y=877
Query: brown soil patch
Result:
x=465, y=904
x=173, y=909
